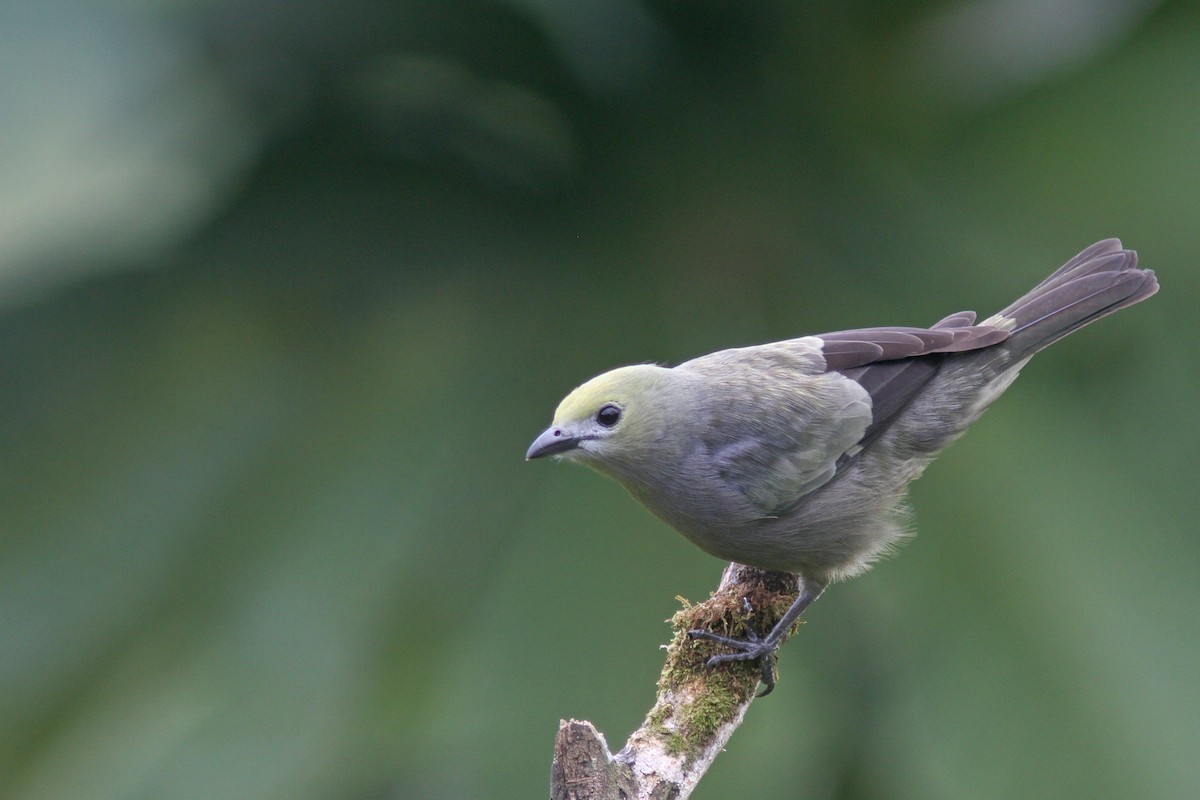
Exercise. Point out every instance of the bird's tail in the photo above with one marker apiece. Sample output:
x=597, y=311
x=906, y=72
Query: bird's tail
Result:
x=1102, y=279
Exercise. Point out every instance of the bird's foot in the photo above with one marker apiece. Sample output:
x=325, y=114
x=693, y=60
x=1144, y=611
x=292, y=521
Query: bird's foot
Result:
x=752, y=648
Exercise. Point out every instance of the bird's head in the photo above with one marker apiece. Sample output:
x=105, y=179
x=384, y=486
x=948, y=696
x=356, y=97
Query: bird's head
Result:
x=611, y=418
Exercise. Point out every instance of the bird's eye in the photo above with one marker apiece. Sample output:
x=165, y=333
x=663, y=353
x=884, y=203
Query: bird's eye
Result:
x=608, y=415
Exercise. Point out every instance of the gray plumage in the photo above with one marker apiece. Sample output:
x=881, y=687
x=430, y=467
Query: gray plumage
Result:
x=795, y=455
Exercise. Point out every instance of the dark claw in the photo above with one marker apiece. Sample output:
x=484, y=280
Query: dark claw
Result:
x=728, y=641
x=752, y=648
x=768, y=676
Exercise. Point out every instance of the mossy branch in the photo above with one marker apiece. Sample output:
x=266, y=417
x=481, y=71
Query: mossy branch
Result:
x=697, y=708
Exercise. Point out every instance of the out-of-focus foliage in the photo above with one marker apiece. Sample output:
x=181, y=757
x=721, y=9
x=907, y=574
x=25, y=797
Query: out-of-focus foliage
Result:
x=287, y=289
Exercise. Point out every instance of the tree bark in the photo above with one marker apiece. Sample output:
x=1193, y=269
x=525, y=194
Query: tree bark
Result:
x=696, y=711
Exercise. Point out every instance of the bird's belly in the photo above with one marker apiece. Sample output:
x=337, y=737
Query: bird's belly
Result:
x=813, y=539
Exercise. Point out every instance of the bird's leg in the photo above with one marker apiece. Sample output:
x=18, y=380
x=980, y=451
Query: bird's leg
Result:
x=754, y=648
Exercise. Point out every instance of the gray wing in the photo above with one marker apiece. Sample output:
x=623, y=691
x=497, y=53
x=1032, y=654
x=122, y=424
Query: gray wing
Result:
x=789, y=415
x=779, y=420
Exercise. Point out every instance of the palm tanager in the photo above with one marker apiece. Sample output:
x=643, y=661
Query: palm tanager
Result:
x=794, y=456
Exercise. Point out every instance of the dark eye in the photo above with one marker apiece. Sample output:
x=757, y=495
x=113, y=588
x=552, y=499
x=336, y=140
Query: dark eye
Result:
x=608, y=416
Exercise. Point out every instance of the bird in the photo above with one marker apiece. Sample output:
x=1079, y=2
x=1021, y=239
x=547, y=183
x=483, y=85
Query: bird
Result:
x=795, y=456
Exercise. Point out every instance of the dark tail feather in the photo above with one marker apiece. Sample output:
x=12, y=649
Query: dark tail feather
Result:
x=1102, y=279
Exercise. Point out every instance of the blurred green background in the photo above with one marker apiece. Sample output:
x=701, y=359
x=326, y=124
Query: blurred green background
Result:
x=287, y=289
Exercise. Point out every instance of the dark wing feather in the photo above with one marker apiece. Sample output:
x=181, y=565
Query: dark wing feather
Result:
x=955, y=334
x=894, y=363
x=891, y=384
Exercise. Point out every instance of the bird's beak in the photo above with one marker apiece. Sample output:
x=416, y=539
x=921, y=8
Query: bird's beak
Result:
x=552, y=440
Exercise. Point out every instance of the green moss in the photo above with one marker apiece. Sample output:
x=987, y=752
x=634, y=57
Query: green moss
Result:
x=672, y=740
x=718, y=693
